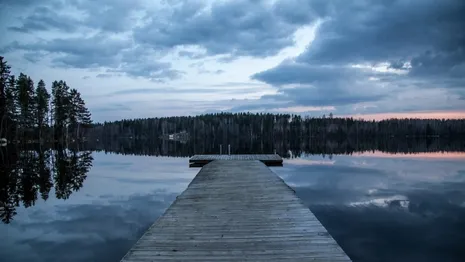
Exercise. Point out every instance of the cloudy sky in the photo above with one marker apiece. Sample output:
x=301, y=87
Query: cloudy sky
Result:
x=143, y=58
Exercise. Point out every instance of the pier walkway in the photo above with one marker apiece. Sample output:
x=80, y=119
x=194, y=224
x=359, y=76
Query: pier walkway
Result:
x=236, y=210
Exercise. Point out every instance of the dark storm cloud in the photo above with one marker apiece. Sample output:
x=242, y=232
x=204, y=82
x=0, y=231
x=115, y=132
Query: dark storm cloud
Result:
x=446, y=64
x=232, y=29
x=44, y=19
x=301, y=12
x=140, y=61
x=238, y=28
x=151, y=70
x=425, y=39
x=319, y=85
x=337, y=96
x=289, y=72
x=78, y=52
x=17, y=2
x=33, y=57
x=101, y=50
x=378, y=31
x=106, y=15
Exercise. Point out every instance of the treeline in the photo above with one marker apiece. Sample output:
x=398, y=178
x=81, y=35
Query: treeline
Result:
x=235, y=127
x=29, y=113
x=29, y=174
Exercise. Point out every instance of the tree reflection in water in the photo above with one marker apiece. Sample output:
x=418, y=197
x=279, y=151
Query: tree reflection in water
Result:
x=24, y=174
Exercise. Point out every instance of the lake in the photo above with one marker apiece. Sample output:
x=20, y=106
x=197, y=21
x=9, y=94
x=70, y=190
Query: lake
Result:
x=377, y=206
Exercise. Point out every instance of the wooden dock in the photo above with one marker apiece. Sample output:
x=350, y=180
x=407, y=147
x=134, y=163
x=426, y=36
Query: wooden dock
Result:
x=269, y=160
x=236, y=210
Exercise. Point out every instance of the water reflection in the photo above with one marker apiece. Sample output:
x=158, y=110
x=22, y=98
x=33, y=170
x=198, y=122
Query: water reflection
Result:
x=26, y=174
x=120, y=198
x=293, y=147
x=381, y=208
x=378, y=206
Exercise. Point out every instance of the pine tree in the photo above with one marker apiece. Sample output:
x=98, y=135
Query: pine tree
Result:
x=78, y=113
x=4, y=76
x=41, y=101
x=25, y=100
x=60, y=106
x=83, y=115
x=11, y=109
x=73, y=109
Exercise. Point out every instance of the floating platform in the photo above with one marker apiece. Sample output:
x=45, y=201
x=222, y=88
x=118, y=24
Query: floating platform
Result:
x=236, y=210
x=269, y=159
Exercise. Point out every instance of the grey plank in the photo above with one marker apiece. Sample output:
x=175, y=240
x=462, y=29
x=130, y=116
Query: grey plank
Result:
x=236, y=210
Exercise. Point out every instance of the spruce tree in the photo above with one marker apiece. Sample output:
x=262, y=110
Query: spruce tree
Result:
x=83, y=115
x=4, y=76
x=25, y=102
x=72, y=107
x=11, y=109
x=42, y=98
x=60, y=106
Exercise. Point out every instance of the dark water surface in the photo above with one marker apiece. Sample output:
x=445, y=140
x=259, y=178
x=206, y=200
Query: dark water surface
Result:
x=378, y=207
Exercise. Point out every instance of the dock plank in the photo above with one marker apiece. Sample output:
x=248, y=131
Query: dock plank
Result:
x=236, y=210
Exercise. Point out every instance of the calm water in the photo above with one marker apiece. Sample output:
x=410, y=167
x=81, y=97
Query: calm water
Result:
x=378, y=207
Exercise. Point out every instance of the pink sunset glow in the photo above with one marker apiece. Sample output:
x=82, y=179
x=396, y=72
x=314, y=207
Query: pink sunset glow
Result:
x=421, y=115
x=422, y=155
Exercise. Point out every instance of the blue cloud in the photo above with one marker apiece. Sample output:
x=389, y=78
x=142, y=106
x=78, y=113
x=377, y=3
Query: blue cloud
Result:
x=421, y=38
x=111, y=108
x=45, y=19
x=237, y=28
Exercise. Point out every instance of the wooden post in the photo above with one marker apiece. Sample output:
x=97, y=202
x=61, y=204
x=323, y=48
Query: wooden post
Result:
x=221, y=149
x=229, y=149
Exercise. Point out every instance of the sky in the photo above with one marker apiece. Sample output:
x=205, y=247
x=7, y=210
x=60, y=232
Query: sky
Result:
x=140, y=58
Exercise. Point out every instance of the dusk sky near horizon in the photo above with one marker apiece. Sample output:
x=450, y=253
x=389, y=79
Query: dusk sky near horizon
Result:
x=140, y=58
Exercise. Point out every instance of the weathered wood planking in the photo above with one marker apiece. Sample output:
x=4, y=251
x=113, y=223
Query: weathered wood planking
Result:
x=236, y=210
x=269, y=160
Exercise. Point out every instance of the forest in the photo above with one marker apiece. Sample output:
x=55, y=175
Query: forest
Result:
x=236, y=127
x=29, y=113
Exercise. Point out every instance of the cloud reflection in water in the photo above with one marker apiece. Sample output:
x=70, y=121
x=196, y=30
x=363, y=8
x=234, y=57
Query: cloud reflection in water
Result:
x=387, y=209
